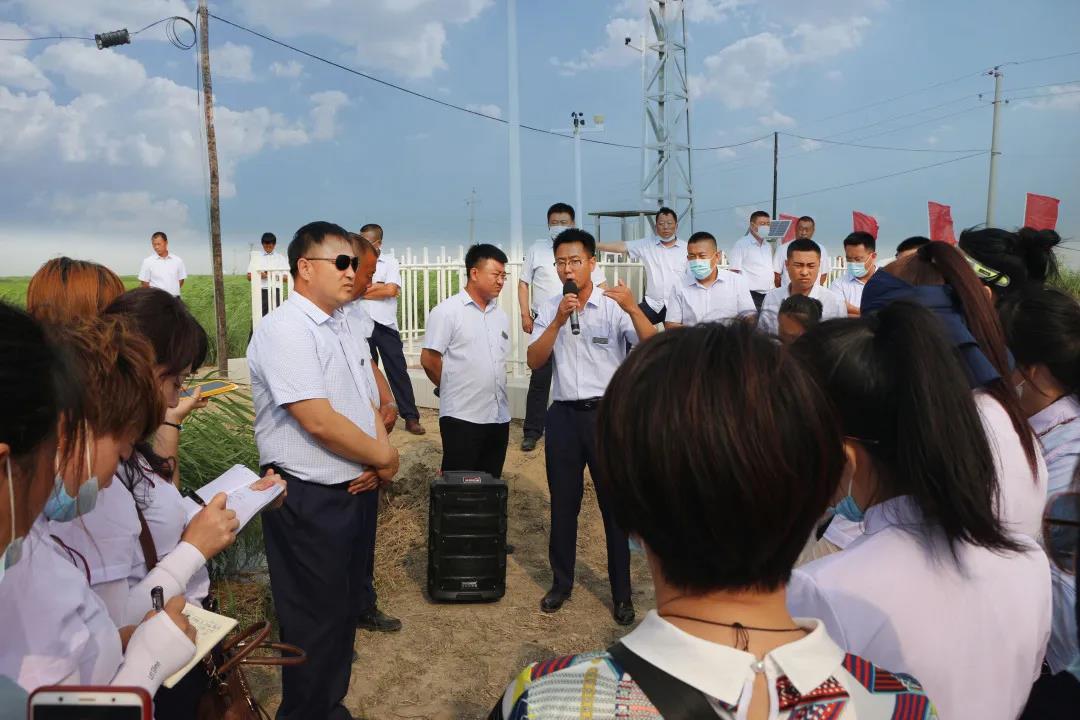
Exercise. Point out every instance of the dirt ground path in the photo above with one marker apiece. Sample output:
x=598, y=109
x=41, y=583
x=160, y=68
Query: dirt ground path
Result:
x=454, y=661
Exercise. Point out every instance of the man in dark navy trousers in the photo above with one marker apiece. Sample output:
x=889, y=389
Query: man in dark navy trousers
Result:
x=587, y=332
x=316, y=425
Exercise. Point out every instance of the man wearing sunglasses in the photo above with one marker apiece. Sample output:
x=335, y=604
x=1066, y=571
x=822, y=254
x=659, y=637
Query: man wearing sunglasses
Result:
x=380, y=300
x=316, y=425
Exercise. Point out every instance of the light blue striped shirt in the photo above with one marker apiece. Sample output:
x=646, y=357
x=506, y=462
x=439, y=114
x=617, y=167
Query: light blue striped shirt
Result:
x=1058, y=429
x=301, y=353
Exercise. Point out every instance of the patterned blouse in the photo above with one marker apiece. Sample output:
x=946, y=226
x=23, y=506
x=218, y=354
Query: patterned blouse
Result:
x=813, y=677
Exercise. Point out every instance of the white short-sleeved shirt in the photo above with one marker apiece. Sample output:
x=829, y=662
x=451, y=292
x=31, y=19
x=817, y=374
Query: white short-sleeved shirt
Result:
x=850, y=288
x=665, y=266
x=538, y=272
x=300, y=353
x=755, y=261
x=832, y=305
x=55, y=629
x=266, y=262
x=362, y=326
x=163, y=272
x=585, y=363
x=780, y=262
x=473, y=342
x=387, y=271
x=1022, y=493
x=690, y=302
x=974, y=634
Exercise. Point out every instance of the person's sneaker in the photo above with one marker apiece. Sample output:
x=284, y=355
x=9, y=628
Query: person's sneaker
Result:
x=415, y=427
x=378, y=621
x=528, y=444
x=623, y=612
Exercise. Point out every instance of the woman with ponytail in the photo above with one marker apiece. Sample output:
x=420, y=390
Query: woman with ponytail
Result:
x=939, y=278
x=1010, y=262
x=1043, y=329
x=935, y=586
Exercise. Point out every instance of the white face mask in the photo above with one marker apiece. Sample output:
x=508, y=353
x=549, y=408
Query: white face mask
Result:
x=555, y=231
x=762, y=231
x=13, y=552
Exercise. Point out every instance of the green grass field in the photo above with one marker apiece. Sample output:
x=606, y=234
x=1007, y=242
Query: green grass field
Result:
x=198, y=293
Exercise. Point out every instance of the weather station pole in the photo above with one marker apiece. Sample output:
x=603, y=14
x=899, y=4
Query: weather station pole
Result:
x=579, y=125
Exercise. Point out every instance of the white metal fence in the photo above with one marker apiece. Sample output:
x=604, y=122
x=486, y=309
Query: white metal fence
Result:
x=427, y=279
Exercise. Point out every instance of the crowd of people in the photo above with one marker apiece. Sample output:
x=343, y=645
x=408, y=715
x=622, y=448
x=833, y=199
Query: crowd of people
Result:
x=857, y=497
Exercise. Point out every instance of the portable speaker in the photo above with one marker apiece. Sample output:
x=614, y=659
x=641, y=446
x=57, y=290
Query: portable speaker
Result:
x=467, y=537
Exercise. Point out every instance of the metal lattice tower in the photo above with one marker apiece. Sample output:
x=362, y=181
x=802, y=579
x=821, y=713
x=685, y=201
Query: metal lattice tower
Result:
x=666, y=177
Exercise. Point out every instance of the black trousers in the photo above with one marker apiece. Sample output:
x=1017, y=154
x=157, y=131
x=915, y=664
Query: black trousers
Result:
x=310, y=544
x=362, y=584
x=759, y=297
x=571, y=445
x=474, y=446
x=536, y=402
x=654, y=317
x=266, y=300
x=386, y=343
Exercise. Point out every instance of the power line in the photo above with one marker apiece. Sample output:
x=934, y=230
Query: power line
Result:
x=1041, y=59
x=881, y=147
x=733, y=145
x=47, y=37
x=851, y=184
x=898, y=97
x=1044, y=95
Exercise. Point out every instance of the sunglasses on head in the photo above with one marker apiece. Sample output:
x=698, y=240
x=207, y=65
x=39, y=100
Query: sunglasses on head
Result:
x=341, y=262
x=1061, y=530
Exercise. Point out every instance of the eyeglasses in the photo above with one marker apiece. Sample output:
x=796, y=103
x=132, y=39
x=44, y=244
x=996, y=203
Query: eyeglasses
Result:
x=341, y=262
x=574, y=263
x=1061, y=530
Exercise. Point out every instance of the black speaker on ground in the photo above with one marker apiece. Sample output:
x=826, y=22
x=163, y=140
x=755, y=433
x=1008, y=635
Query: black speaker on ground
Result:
x=467, y=537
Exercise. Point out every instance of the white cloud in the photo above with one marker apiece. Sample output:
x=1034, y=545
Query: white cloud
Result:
x=776, y=119
x=75, y=17
x=486, y=109
x=1057, y=97
x=740, y=73
x=407, y=37
x=291, y=69
x=232, y=61
x=324, y=113
x=725, y=153
x=613, y=53
x=15, y=69
x=809, y=145
x=817, y=42
x=120, y=212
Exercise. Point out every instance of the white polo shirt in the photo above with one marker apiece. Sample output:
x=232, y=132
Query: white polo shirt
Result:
x=690, y=302
x=755, y=261
x=832, y=306
x=163, y=272
x=974, y=634
x=585, y=363
x=538, y=272
x=850, y=288
x=665, y=266
x=298, y=352
x=780, y=258
x=266, y=262
x=473, y=342
x=387, y=271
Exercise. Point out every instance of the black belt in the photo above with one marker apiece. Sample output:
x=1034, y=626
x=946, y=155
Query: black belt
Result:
x=580, y=405
x=289, y=476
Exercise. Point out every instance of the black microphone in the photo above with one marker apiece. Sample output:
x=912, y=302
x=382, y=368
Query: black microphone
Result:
x=570, y=288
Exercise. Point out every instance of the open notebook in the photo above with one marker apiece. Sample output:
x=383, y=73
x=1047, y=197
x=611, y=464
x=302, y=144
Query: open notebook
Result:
x=210, y=629
x=236, y=483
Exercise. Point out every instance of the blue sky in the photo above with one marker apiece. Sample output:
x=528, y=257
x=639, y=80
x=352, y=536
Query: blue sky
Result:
x=103, y=147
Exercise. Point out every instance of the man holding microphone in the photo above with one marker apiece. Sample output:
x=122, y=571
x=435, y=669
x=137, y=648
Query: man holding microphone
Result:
x=586, y=331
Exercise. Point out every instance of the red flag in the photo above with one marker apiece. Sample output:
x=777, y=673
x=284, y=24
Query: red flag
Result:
x=941, y=225
x=864, y=223
x=790, y=234
x=1041, y=212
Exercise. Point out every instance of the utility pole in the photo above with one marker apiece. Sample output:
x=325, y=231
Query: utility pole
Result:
x=471, y=202
x=577, y=126
x=516, y=249
x=215, y=207
x=775, y=168
x=991, y=191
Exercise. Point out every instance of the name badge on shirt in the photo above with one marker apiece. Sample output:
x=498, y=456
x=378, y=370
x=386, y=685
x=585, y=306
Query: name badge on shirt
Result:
x=505, y=336
x=600, y=339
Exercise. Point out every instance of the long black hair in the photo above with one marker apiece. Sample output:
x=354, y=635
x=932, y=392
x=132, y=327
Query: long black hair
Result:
x=179, y=342
x=1026, y=256
x=1042, y=327
x=900, y=390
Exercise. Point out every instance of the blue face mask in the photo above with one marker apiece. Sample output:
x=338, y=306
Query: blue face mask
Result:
x=848, y=508
x=857, y=269
x=61, y=507
x=13, y=551
x=701, y=269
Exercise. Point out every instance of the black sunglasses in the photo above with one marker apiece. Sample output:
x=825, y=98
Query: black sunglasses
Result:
x=341, y=262
x=1061, y=530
